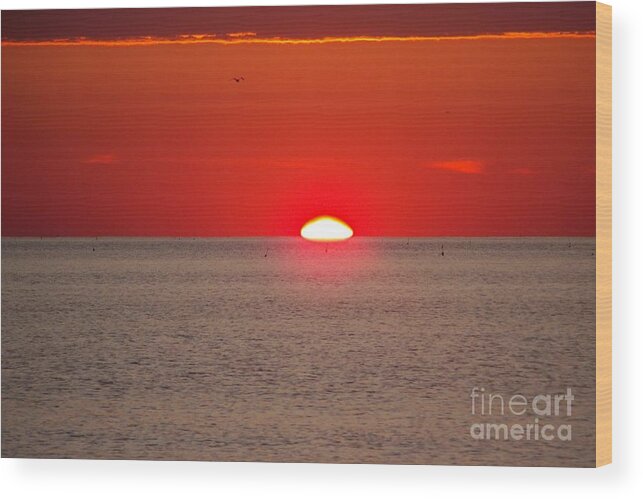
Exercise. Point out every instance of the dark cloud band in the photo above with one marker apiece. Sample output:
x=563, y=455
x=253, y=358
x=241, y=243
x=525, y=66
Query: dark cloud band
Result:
x=437, y=20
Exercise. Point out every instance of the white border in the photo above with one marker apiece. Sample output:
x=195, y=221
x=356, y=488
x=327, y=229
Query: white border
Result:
x=115, y=479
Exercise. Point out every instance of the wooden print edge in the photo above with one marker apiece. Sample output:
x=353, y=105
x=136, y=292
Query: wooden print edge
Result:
x=603, y=234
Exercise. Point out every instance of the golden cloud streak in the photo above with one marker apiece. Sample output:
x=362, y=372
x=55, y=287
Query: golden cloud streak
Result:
x=240, y=40
x=242, y=34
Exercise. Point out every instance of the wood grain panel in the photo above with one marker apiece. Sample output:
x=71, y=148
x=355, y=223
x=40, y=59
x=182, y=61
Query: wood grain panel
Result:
x=603, y=234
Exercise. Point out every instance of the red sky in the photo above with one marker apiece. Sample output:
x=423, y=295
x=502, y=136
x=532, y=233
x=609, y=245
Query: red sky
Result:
x=404, y=121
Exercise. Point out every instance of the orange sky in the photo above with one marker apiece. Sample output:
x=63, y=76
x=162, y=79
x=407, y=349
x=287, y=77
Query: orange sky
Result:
x=420, y=133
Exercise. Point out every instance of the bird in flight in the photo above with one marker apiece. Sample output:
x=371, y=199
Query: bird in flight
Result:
x=238, y=79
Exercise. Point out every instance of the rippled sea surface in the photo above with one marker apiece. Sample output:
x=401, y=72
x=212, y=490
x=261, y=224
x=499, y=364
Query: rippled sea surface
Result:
x=279, y=349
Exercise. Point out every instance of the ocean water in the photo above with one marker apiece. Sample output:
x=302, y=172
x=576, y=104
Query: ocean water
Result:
x=278, y=349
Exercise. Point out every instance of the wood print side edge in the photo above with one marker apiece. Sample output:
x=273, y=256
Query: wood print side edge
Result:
x=603, y=234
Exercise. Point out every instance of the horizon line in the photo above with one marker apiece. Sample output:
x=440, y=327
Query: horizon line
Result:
x=296, y=236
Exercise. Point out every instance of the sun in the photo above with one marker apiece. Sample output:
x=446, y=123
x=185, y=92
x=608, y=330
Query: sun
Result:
x=326, y=229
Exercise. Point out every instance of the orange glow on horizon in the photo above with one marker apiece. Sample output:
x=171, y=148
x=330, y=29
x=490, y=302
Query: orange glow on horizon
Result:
x=326, y=229
x=249, y=38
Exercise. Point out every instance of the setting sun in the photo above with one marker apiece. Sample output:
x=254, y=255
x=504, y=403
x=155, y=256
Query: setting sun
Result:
x=326, y=229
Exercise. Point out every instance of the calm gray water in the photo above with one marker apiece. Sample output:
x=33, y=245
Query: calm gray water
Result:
x=276, y=350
